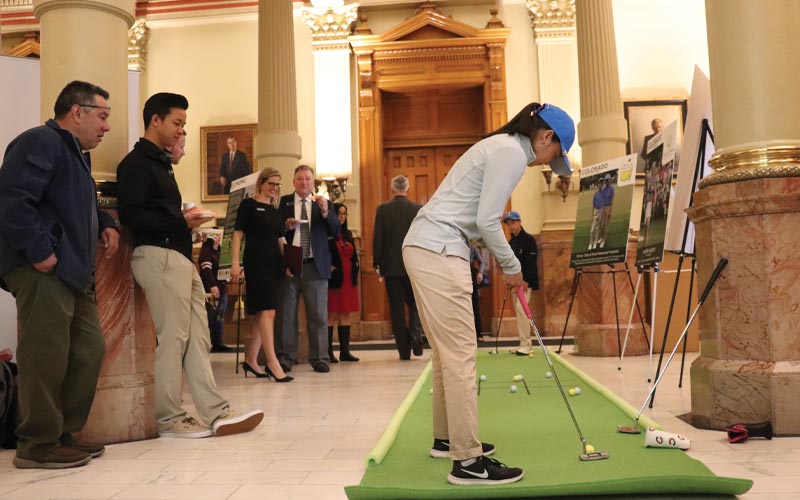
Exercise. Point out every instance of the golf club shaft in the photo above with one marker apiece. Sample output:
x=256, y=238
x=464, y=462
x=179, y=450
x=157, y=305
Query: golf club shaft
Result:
x=717, y=271
x=521, y=297
x=500, y=321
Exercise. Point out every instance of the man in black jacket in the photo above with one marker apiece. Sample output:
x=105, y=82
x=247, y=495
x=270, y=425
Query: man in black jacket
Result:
x=392, y=221
x=524, y=247
x=233, y=165
x=150, y=206
x=49, y=227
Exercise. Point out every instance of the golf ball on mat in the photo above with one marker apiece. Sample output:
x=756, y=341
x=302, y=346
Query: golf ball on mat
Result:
x=571, y=392
x=431, y=390
x=530, y=355
x=516, y=378
x=548, y=374
x=589, y=448
x=513, y=388
x=520, y=376
x=483, y=377
x=577, y=390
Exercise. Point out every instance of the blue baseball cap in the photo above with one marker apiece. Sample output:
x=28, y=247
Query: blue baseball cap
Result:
x=512, y=215
x=563, y=126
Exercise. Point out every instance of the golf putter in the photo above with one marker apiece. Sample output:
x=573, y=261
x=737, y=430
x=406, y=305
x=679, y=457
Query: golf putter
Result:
x=586, y=456
x=634, y=429
x=499, y=323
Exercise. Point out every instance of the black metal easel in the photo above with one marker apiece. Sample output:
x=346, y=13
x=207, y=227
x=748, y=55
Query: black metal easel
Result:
x=705, y=131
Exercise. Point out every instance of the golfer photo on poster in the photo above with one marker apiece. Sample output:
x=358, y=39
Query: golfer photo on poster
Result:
x=648, y=118
x=604, y=209
x=657, y=193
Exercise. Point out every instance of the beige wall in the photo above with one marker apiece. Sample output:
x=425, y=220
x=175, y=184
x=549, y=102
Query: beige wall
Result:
x=214, y=63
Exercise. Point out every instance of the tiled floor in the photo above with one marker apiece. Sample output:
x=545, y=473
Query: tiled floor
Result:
x=318, y=429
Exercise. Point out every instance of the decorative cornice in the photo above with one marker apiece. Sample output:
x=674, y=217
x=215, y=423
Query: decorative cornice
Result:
x=552, y=19
x=16, y=4
x=138, y=39
x=755, y=163
x=329, y=23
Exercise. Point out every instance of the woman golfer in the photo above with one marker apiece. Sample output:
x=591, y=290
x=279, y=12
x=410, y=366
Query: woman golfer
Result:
x=467, y=206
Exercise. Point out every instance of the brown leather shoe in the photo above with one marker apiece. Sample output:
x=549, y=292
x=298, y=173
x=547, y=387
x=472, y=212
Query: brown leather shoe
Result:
x=57, y=458
x=93, y=449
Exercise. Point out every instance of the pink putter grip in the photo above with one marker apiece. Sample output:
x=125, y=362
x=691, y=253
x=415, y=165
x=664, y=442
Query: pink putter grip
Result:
x=523, y=302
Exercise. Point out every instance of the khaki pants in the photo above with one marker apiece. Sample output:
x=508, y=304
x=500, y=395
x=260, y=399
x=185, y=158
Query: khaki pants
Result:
x=523, y=325
x=60, y=352
x=176, y=298
x=443, y=291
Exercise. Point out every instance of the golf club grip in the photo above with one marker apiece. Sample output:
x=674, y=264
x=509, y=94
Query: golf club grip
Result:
x=720, y=266
x=523, y=302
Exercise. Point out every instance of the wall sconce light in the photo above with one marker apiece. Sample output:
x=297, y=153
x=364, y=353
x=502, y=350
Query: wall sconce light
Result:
x=563, y=184
x=548, y=177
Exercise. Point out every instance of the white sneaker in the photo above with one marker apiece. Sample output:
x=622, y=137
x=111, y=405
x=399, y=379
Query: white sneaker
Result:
x=234, y=422
x=186, y=428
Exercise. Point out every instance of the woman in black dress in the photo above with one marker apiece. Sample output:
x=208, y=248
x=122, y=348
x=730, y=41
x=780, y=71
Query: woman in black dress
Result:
x=260, y=223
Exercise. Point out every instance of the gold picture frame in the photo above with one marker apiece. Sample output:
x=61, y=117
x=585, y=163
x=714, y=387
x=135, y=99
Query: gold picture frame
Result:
x=214, y=159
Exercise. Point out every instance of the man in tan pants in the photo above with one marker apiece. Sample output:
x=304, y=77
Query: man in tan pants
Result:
x=150, y=205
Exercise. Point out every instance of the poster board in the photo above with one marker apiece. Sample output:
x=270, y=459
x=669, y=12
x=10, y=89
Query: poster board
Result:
x=604, y=209
x=699, y=109
x=659, y=161
x=241, y=189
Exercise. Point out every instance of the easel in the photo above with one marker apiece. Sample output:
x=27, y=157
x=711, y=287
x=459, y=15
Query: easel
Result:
x=613, y=272
x=705, y=131
x=654, y=270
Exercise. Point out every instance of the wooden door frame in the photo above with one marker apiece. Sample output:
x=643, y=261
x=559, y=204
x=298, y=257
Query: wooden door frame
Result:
x=427, y=51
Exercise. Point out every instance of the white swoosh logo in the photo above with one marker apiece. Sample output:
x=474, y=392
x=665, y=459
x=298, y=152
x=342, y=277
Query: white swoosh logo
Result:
x=482, y=475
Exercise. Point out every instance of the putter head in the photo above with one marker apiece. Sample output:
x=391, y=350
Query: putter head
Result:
x=595, y=455
x=629, y=429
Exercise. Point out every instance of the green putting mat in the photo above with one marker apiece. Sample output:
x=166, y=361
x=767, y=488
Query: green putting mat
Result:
x=534, y=432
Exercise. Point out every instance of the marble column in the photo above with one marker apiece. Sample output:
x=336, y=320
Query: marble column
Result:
x=748, y=211
x=602, y=134
x=68, y=27
x=554, y=35
x=277, y=143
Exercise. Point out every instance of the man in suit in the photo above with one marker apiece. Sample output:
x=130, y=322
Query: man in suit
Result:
x=232, y=166
x=392, y=221
x=310, y=221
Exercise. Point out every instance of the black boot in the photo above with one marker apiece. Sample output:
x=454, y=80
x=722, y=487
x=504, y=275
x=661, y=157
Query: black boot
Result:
x=330, y=344
x=344, y=344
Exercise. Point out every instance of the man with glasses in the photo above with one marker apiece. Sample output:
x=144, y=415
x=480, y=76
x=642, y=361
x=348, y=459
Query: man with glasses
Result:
x=49, y=229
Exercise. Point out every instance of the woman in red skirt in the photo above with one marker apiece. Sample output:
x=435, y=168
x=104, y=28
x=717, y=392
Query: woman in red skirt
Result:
x=342, y=287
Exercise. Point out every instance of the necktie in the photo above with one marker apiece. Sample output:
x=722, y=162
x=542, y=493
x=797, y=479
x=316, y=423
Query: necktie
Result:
x=230, y=162
x=305, y=237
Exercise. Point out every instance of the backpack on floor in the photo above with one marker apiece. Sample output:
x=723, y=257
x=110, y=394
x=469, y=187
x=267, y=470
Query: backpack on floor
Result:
x=8, y=404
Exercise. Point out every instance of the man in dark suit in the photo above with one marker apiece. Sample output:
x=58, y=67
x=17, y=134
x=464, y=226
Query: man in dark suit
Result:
x=232, y=166
x=392, y=221
x=309, y=222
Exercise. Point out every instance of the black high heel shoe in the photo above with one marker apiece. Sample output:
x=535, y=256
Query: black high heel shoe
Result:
x=247, y=368
x=287, y=378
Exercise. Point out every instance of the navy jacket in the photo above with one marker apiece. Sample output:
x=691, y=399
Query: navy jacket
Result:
x=320, y=230
x=48, y=203
x=524, y=247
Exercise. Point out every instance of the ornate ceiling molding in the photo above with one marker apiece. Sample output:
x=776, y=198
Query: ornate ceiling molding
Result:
x=330, y=24
x=552, y=19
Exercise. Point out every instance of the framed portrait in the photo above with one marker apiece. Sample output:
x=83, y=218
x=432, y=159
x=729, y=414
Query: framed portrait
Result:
x=645, y=119
x=226, y=154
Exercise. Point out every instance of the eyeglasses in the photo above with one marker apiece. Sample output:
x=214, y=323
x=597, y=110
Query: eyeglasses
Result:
x=95, y=106
x=274, y=184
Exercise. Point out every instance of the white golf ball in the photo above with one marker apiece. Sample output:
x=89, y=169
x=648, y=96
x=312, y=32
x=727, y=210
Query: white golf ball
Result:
x=513, y=388
x=483, y=377
x=520, y=376
x=548, y=374
x=577, y=390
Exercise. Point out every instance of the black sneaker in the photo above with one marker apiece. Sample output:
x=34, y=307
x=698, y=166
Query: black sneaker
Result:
x=483, y=471
x=416, y=346
x=441, y=448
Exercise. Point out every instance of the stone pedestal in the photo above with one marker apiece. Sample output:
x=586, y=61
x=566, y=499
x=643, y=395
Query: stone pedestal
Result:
x=556, y=282
x=749, y=368
x=124, y=404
